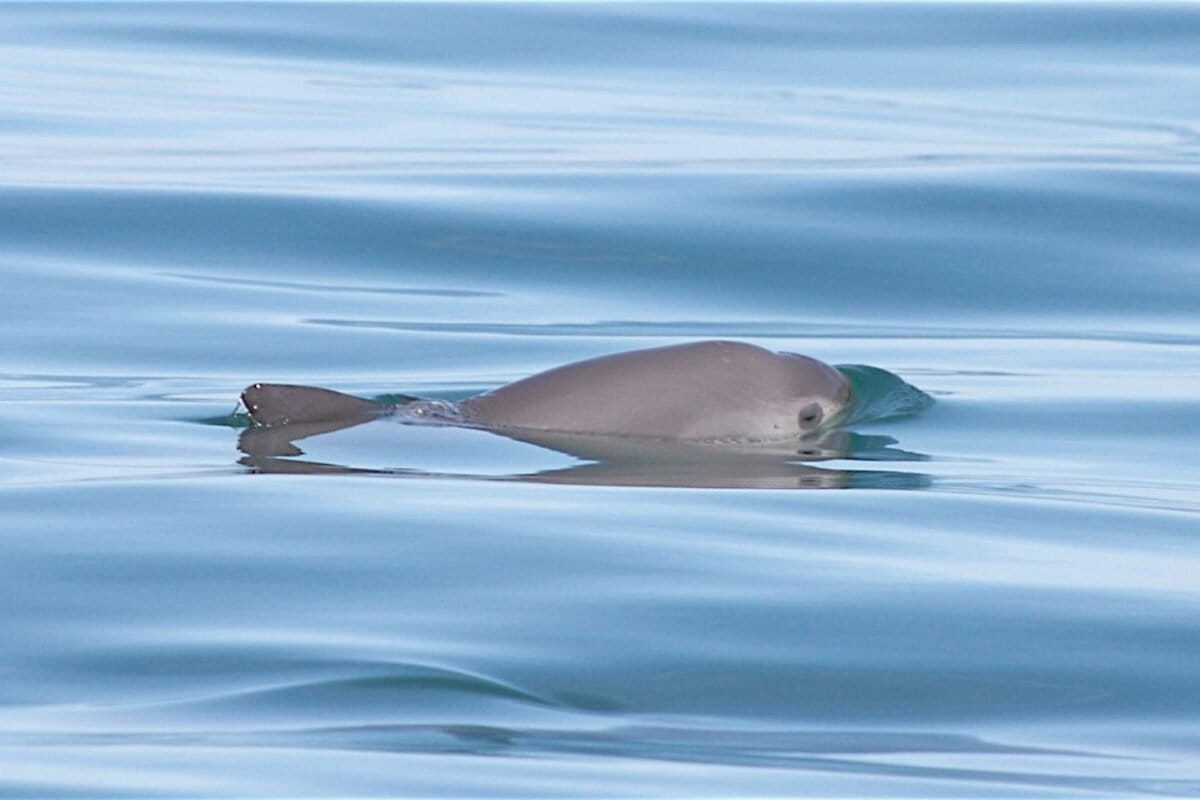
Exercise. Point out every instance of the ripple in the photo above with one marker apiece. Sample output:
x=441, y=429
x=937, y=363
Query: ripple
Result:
x=399, y=686
x=961, y=760
x=325, y=288
x=758, y=329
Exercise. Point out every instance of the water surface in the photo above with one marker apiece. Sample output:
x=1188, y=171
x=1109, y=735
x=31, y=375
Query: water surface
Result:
x=996, y=203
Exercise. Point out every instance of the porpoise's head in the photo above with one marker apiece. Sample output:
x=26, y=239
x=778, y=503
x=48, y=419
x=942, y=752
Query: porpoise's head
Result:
x=823, y=397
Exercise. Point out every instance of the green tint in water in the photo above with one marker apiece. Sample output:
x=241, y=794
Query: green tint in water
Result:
x=878, y=394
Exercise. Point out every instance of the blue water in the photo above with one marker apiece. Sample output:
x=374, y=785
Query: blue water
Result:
x=1000, y=204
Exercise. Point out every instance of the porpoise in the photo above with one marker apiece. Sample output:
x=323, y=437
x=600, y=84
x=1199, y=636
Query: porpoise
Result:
x=718, y=391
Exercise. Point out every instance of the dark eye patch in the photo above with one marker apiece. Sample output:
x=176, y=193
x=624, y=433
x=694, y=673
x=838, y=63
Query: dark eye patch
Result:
x=810, y=415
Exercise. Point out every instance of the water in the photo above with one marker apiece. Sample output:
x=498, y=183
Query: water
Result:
x=1000, y=204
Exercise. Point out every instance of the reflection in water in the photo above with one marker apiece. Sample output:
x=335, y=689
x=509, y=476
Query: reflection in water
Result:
x=624, y=461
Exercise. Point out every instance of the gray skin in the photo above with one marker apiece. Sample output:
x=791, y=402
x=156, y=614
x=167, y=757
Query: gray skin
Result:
x=282, y=404
x=702, y=391
x=713, y=390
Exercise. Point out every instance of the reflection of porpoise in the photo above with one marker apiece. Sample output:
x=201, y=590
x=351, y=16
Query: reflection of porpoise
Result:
x=711, y=391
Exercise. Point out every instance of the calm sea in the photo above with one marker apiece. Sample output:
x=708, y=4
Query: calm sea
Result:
x=997, y=598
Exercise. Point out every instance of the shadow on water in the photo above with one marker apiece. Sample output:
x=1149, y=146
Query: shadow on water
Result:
x=626, y=461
